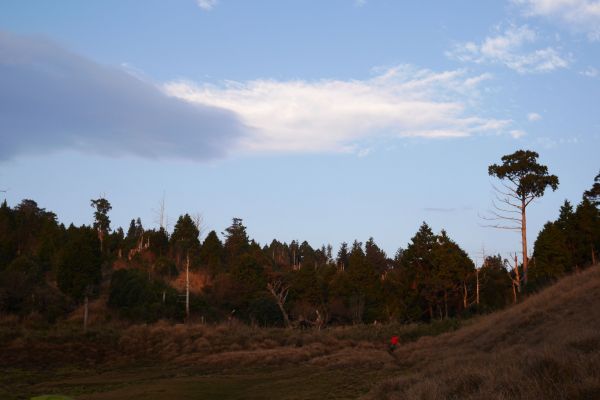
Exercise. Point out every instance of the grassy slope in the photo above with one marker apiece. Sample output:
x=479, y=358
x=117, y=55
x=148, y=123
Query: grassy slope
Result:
x=546, y=347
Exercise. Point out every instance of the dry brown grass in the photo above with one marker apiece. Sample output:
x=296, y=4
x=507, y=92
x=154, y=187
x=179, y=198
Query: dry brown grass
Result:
x=547, y=347
x=544, y=348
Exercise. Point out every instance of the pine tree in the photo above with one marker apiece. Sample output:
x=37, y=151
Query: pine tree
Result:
x=342, y=256
x=184, y=239
x=551, y=254
x=527, y=180
x=236, y=242
x=101, y=219
x=211, y=253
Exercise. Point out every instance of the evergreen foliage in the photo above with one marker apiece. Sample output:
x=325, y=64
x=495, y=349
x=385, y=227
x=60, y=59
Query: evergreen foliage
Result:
x=432, y=278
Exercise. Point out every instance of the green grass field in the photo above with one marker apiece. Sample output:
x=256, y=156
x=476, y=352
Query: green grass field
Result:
x=164, y=382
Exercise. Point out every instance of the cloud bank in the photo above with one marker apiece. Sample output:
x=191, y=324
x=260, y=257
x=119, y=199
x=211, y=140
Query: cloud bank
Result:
x=347, y=115
x=52, y=99
x=578, y=15
x=510, y=49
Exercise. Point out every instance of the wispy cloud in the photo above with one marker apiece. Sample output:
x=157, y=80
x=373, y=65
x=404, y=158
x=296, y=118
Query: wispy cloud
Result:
x=510, y=48
x=550, y=142
x=53, y=99
x=339, y=115
x=207, y=5
x=532, y=117
x=517, y=133
x=360, y=3
x=447, y=209
x=590, y=72
x=440, y=209
x=577, y=15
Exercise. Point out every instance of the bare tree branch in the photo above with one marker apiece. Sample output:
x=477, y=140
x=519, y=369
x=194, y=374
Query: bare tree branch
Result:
x=505, y=210
x=279, y=291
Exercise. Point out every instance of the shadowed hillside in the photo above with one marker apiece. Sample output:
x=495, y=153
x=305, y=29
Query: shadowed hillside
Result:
x=546, y=347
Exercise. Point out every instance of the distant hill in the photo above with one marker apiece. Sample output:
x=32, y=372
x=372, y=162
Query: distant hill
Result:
x=547, y=347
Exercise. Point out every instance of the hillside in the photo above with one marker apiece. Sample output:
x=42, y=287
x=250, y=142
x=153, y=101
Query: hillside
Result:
x=546, y=347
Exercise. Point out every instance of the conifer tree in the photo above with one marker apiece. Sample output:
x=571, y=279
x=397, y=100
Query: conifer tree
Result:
x=524, y=180
x=185, y=237
x=236, y=241
x=211, y=253
x=101, y=219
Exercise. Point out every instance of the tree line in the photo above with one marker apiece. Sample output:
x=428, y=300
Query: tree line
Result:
x=48, y=269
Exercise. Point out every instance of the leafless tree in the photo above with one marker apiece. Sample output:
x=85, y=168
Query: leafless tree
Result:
x=161, y=218
x=198, y=219
x=515, y=277
x=280, y=291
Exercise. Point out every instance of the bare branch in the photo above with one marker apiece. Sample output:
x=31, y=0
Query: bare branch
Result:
x=508, y=194
x=503, y=217
x=505, y=210
x=279, y=291
x=532, y=198
x=511, y=189
x=511, y=228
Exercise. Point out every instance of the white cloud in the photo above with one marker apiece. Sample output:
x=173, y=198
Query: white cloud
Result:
x=590, y=72
x=550, y=143
x=517, y=133
x=509, y=48
x=344, y=115
x=364, y=152
x=578, y=15
x=207, y=4
x=360, y=3
x=534, y=117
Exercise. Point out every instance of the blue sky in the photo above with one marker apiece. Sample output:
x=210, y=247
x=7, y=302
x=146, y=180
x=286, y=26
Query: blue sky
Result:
x=311, y=120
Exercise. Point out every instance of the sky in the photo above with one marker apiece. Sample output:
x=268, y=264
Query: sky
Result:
x=325, y=121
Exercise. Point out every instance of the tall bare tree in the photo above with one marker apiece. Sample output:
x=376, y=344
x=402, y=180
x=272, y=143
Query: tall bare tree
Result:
x=161, y=218
x=523, y=180
x=280, y=291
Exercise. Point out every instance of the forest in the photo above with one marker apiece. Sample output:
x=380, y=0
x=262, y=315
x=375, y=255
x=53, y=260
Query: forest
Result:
x=48, y=270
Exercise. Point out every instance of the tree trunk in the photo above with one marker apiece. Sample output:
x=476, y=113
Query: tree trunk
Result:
x=85, y=313
x=187, y=288
x=518, y=276
x=279, y=292
x=524, y=241
x=446, y=303
x=514, y=292
x=286, y=319
x=477, y=276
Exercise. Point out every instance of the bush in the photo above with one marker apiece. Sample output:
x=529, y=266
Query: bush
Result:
x=139, y=298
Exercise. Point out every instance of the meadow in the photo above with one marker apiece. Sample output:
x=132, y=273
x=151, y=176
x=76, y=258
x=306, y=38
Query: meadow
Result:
x=544, y=347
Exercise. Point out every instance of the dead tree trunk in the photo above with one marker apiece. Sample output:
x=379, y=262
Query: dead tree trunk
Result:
x=516, y=280
x=477, y=277
x=517, y=275
x=446, y=303
x=524, y=241
x=85, y=313
x=187, y=288
x=279, y=291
